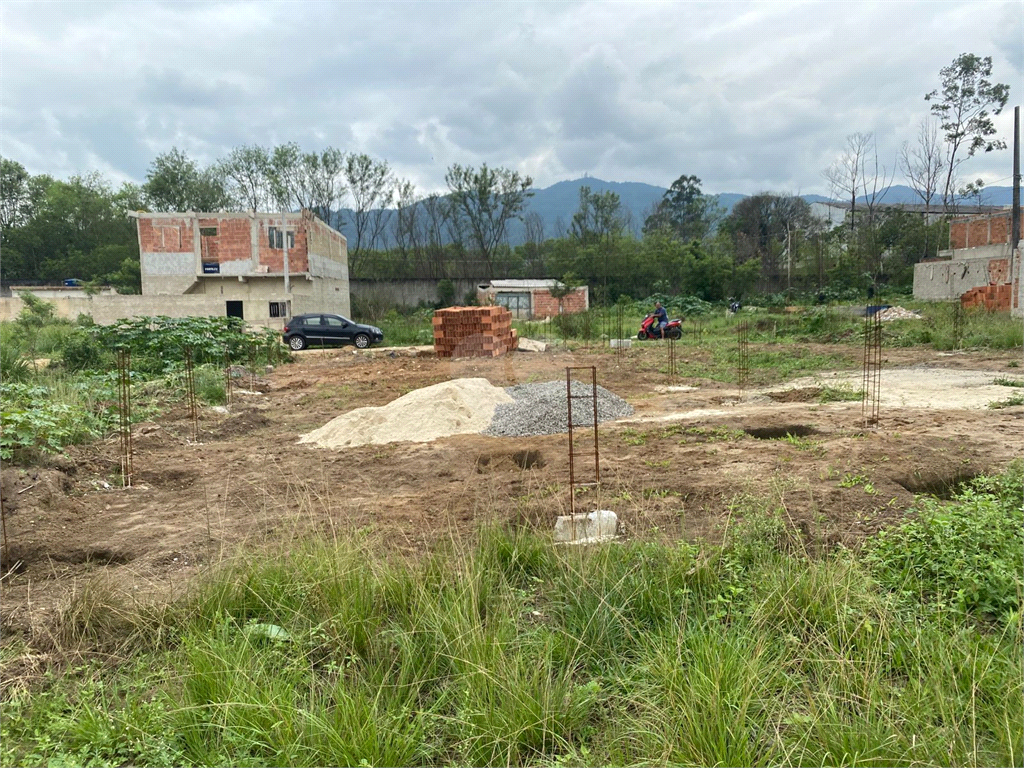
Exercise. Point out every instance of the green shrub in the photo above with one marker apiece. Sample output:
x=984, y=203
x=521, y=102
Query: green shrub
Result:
x=30, y=418
x=159, y=343
x=13, y=366
x=81, y=351
x=963, y=556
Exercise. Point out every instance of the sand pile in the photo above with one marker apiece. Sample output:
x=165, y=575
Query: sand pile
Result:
x=461, y=406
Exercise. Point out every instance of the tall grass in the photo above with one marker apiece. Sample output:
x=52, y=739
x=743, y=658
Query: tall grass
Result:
x=516, y=652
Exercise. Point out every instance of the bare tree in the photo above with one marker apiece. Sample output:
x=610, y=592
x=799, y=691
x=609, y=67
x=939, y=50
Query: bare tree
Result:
x=856, y=174
x=844, y=175
x=875, y=181
x=924, y=162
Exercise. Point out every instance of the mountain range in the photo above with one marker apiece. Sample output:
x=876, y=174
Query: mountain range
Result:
x=556, y=204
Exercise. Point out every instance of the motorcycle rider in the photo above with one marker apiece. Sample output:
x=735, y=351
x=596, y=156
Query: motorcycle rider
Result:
x=661, y=317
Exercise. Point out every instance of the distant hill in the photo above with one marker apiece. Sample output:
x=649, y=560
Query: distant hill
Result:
x=557, y=204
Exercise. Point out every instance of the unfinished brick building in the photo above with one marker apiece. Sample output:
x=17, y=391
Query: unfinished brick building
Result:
x=532, y=299
x=239, y=259
x=978, y=268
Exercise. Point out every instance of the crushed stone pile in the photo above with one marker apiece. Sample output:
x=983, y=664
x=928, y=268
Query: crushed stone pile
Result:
x=897, y=313
x=460, y=406
x=540, y=409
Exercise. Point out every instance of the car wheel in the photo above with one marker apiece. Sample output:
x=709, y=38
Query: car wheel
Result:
x=362, y=340
x=298, y=343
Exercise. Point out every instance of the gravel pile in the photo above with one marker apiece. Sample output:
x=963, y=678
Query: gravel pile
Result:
x=540, y=409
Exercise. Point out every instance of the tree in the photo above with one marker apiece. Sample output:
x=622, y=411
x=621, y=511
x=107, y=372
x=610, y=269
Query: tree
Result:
x=923, y=163
x=14, y=193
x=326, y=174
x=685, y=211
x=484, y=201
x=175, y=182
x=249, y=174
x=767, y=228
x=405, y=231
x=598, y=219
x=962, y=105
x=371, y=186
x=308, y=180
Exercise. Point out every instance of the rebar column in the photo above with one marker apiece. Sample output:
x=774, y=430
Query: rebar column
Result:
x=190, y=394
x=742, y=354
x=872, y=373
x=572, y=425
x=124, y=403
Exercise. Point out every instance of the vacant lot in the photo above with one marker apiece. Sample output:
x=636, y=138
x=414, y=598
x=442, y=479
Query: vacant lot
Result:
x=672, y=470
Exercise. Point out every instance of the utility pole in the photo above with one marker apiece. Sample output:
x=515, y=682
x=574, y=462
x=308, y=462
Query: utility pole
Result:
x=1015, y=213
x=284, y=242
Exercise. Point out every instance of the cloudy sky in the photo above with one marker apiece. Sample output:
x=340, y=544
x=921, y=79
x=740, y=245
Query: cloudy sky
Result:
x=748, y=96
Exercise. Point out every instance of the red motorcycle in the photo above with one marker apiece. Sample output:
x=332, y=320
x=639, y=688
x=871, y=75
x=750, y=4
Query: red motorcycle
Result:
x=649, y=329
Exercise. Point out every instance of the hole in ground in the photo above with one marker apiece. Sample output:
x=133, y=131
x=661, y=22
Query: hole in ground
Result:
x=97, y=556
x=525, y=459
x=942, y=485
x=777, y=433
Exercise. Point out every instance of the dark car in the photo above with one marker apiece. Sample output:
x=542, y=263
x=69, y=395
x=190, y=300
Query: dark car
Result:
x=323, y=329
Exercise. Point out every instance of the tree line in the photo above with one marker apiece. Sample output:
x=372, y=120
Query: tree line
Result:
x=770, y=243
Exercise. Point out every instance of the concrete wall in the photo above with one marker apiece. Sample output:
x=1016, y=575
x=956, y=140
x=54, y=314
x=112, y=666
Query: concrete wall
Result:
x=409, y=293
x=107, y=309
x=948, y=280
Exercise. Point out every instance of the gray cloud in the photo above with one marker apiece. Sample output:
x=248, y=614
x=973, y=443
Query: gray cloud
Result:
x=748, y=96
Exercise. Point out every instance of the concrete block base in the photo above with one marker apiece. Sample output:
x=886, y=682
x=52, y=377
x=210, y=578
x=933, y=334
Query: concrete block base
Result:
x=586, y=528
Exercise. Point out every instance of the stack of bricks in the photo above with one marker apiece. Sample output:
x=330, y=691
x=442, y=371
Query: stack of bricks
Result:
x=991, y=297
x=473, y=332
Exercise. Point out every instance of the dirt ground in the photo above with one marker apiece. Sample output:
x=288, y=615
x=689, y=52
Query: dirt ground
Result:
x=685, y=465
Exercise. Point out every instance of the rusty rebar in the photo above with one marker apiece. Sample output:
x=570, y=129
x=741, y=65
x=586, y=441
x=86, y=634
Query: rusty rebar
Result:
x=743, y=354
x=124, y=403
x=672, y=368
x=959, y=322
x=571, y=425
x=190, y=394
x=871, y=380
x=227, y=376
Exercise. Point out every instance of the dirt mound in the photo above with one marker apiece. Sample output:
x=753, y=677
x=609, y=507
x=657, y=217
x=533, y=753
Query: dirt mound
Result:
x=461, y=406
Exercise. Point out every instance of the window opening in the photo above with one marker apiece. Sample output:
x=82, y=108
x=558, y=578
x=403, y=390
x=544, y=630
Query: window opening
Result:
x=275, y=237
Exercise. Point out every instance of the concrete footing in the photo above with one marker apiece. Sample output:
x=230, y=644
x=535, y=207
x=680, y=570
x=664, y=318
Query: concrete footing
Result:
x=586, y=528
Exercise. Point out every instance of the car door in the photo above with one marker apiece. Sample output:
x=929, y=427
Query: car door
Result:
x=333, y=329
x=312, y=329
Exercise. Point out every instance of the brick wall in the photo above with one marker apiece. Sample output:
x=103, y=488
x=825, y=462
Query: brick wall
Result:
x=231, y=243
x=979, y=230
x=273, y=258
x=998, y=294
x=546, y=305
x=169, y=235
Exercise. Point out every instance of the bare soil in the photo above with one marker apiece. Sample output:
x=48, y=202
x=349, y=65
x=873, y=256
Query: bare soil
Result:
x=679, y=468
